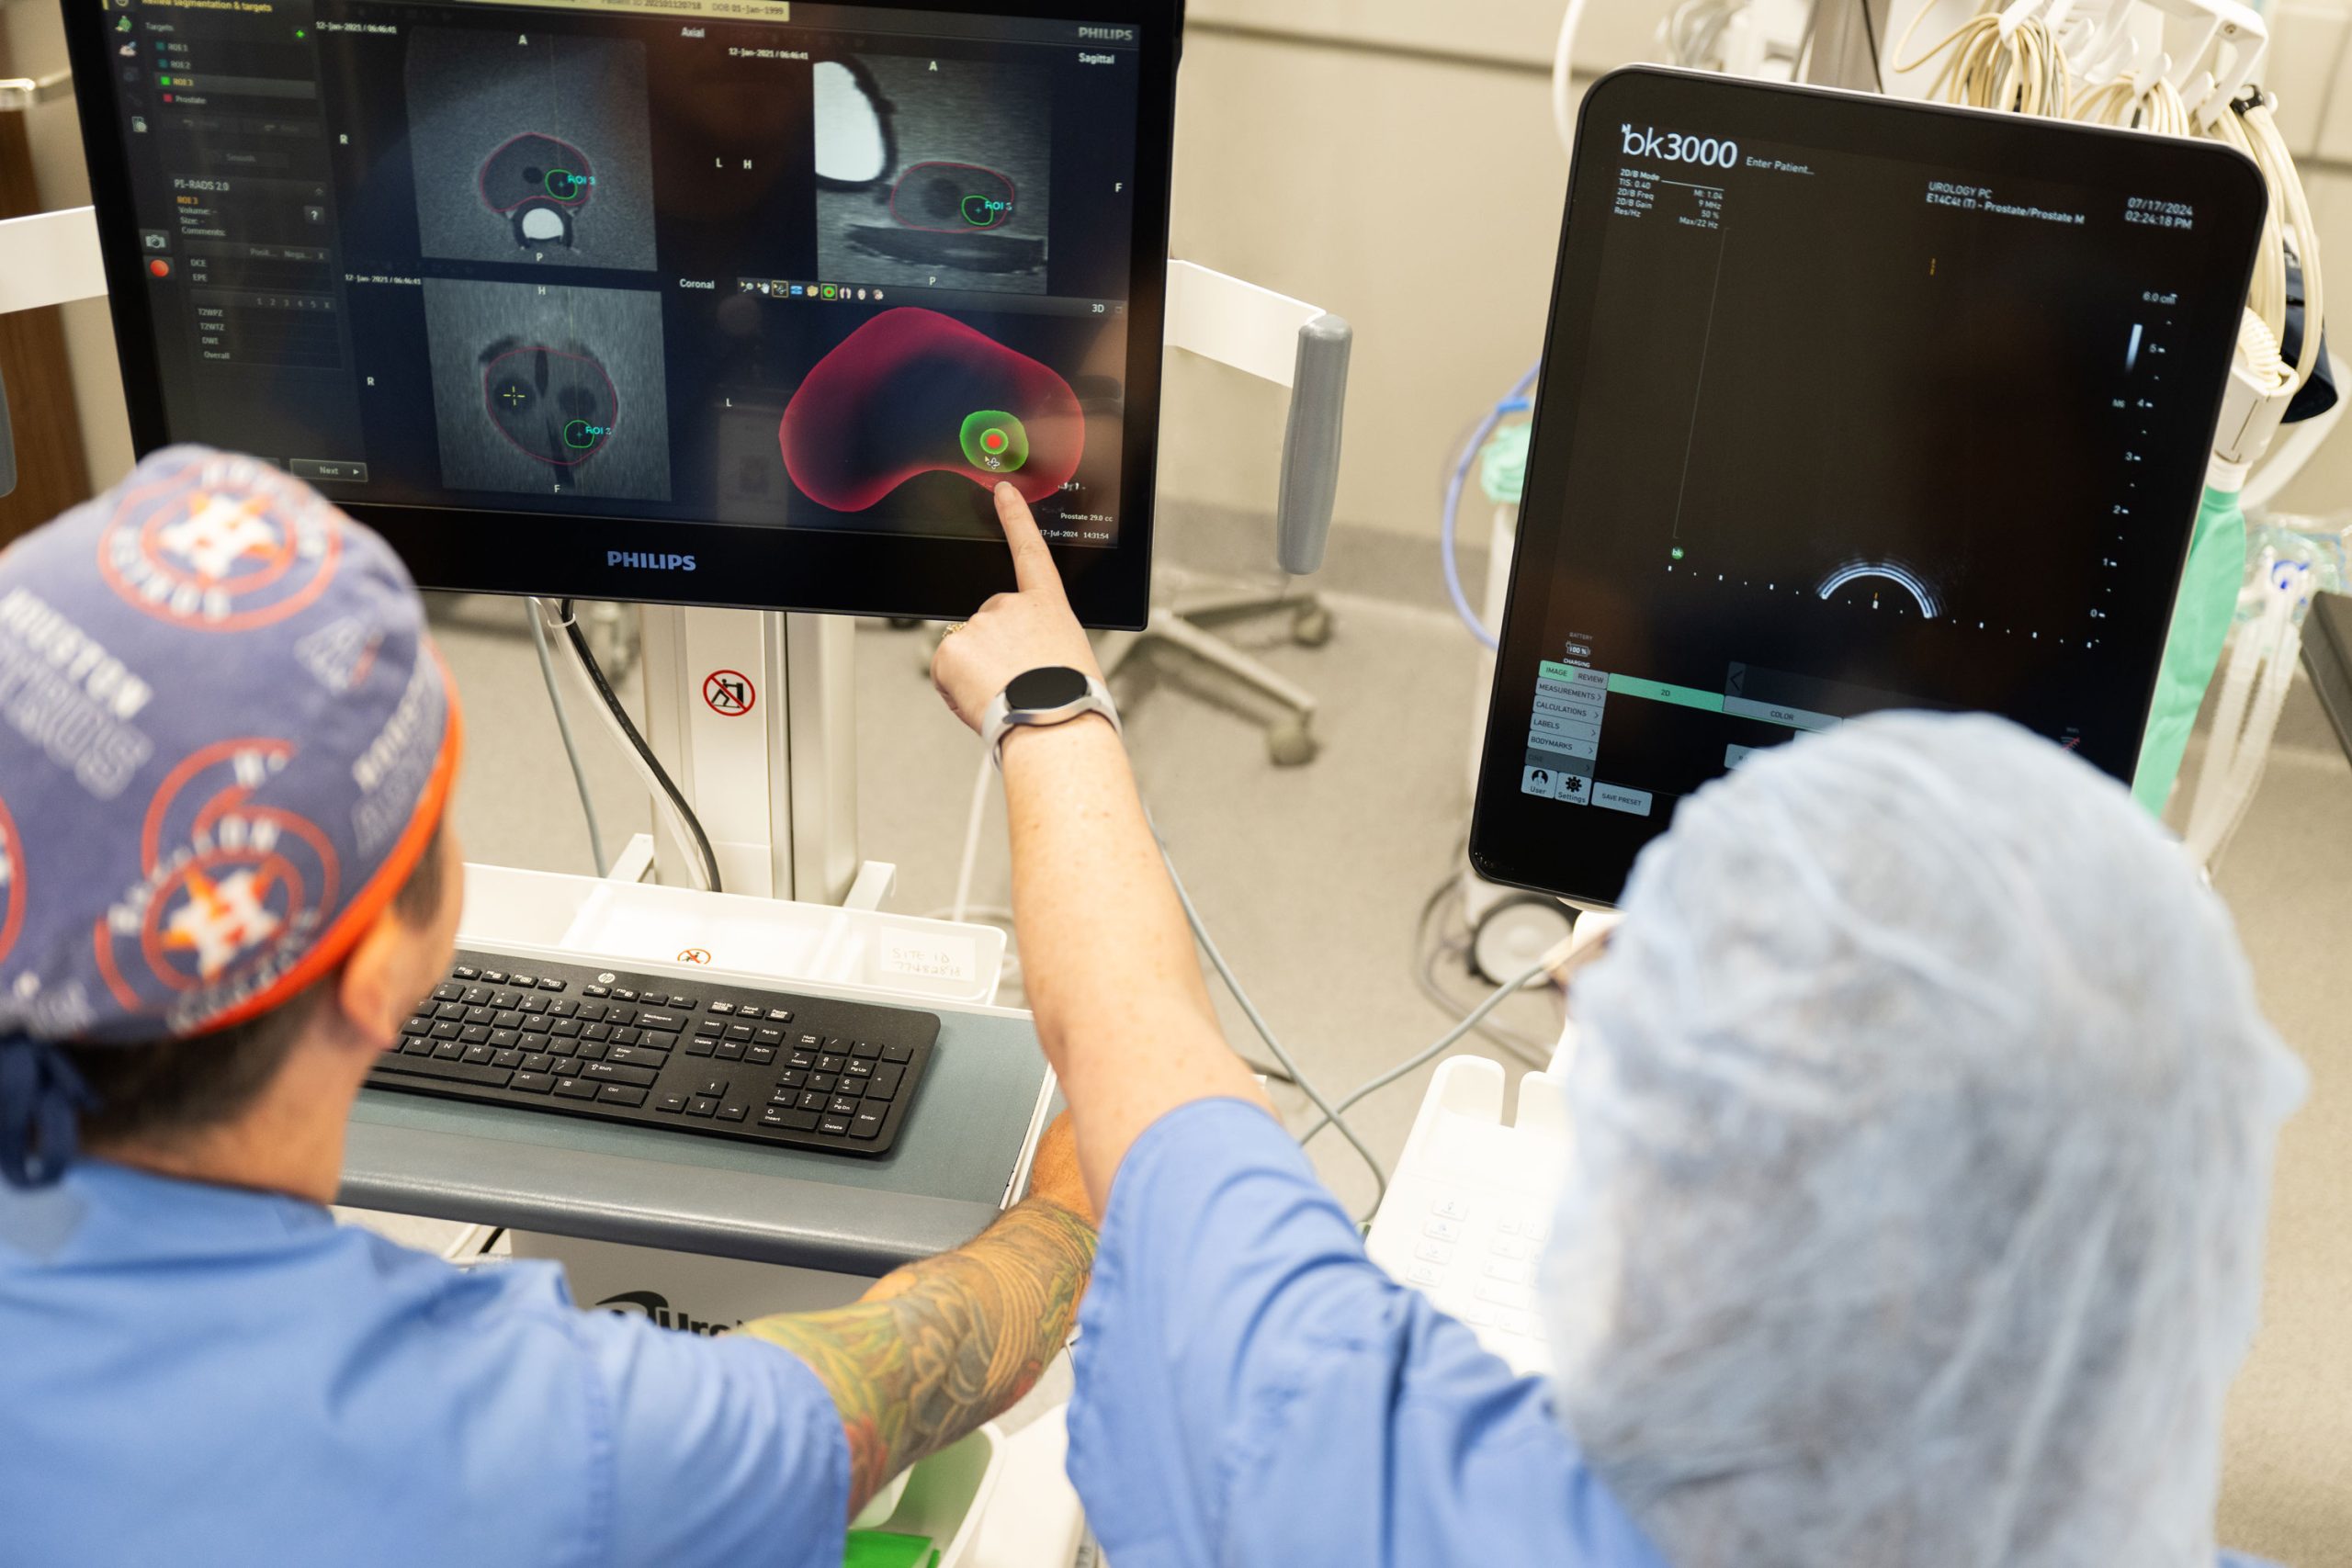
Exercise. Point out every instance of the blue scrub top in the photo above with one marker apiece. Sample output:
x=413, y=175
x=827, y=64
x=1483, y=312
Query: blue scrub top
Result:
x=195, y=1375
x=1253, y=1389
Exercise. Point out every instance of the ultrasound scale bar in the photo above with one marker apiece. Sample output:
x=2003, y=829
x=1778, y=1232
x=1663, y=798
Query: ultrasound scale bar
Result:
x=893, y=295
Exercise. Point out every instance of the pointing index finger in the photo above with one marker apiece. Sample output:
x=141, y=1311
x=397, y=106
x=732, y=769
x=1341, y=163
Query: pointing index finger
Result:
x=1033, y=563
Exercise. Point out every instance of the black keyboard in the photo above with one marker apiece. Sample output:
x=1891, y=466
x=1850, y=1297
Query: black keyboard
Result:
x=716, y=1059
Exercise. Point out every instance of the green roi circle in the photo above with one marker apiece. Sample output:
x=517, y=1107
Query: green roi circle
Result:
x=565, y=186
x=995, y=442
x=983, y=212
x=580, y=435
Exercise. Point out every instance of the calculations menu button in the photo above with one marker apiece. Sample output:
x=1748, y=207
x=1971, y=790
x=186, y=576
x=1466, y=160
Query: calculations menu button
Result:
x=321, y=470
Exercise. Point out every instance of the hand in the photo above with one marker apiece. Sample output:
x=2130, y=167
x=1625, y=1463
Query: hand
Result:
x=1013, y=632
x=1053, y=1175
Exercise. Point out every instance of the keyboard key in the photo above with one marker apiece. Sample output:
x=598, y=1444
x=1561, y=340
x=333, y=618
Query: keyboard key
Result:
x=675, y=1105
x=477, y=1055
x=795, y=1079
x=522, y=982
x=734, y=1111
x=655, y=1020
x=866, y=1048
x=1424, y=1274
x=682, y=1004
x=623, y=1036
x=661, y=1040
x=493, y=976
x=476, y=996
x=565, y=1027
x=636, y=1057
x=1451, y=1209
x=714, y=1087
x=563, y=1007
x=617, y=1015
x=623, y=994
x=1433, y=1252
x=859, y=1070
x=475, y=1034
x=597, y=990
x=575, y=1089
x=419, y=1047
x=620, y=1094
x=1443, y=1230
x=532, y=1083
x=801, y=1059
x=768, y=1036
x=447, y=1051
x=590, y=1050
x=763, y=1055
x=811, y=1100
x=448, y=1029
x=702, y=1105
x=741, y=1032
x=550, y=983
x=417, y=1026
x=536, y=1061
x=450, y=1012
x=836, y=1125
x=898, y=1053
x=505, y=999
x=533, y=1006
x=811, y=1043
x=885, y=1083
x=652, y=999
x=779, y=1015
x=866, y=1124
x=604, y=1072
x=1511, y=1273
x=784, y=1096
x=824, y=1083
x=537, y=1042
x=508, y=1019
x=448, y=993
x=710, y=1025
x=700, y=1045
x=842, y=1105
x=787, y=1121
x=591, y=1013
x=724, y=1010
x=457, y=1072
x=483, y=1016
x=730, y=1050
x=466, y=972
x=595, y=1032
x=506, y=1058
x=566, y=1067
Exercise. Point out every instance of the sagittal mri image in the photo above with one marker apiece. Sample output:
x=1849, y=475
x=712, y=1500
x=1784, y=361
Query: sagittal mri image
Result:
x=530, y=147
x=548, y=391
x=934, y=173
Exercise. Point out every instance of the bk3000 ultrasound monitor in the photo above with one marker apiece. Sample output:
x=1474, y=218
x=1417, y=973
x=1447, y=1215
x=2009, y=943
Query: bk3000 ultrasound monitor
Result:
x=1847, y=404
x=743, y=302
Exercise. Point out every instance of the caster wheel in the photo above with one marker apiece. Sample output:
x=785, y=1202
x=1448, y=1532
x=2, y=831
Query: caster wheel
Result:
x=1291, y=744
x=1311, y=627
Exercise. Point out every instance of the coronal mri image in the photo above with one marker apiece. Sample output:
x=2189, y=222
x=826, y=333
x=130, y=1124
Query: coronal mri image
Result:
x=548, y=391
x=934, y=174
x=530, y=147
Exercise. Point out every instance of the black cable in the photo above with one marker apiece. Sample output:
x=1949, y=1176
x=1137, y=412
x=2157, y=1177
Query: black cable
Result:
x=645, y=753
x=1870, y=31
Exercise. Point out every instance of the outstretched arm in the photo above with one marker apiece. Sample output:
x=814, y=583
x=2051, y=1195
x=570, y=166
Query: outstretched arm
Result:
x=938, y=1348
x=1107, y=957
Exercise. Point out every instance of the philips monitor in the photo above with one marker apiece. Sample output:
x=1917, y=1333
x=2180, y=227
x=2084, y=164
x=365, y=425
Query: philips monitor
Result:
x=738, y=302
x=1847, y=404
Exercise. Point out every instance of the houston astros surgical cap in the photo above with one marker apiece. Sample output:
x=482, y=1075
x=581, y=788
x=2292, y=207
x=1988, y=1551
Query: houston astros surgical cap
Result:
x=225, y=742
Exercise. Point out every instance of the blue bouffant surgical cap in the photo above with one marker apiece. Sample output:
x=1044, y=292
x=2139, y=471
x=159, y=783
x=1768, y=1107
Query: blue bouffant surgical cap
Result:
x=1924, y=1121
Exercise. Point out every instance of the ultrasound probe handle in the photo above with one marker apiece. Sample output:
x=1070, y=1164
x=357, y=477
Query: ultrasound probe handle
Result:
x=1310, y=483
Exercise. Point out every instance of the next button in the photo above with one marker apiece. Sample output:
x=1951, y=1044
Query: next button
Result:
x=1615, y=798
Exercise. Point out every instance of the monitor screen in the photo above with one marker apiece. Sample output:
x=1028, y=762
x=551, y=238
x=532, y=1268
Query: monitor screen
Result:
x=1847, y=404
x=709, y=301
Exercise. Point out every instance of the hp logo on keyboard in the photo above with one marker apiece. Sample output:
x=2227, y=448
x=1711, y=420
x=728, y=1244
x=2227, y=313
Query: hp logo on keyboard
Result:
x=656, y=1309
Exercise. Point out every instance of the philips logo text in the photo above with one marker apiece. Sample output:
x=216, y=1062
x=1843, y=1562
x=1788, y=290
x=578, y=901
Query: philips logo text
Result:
x=645, y=561
x=1673, y=147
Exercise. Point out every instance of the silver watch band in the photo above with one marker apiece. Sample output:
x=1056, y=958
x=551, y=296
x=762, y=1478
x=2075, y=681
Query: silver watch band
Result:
x=1003, y=718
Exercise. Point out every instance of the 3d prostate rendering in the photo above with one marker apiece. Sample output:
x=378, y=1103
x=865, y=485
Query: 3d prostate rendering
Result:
x=912, y=392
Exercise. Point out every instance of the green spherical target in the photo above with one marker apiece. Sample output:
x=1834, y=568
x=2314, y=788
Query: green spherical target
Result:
x=995, y=442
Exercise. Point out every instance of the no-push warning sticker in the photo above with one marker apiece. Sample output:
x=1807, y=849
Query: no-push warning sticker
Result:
x=728, y=692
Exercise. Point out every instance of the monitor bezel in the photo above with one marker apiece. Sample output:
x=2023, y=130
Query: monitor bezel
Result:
x=737, y=565
x=1509, y=844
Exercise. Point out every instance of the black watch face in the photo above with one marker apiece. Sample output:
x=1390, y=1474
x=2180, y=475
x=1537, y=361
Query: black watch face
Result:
x=1041, y=690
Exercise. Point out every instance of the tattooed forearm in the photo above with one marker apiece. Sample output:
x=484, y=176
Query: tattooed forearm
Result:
x=938, y=1348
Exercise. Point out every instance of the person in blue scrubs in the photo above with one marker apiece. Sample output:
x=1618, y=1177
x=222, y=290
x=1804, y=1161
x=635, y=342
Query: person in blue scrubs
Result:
x=1923, y=1118
x=226, y=751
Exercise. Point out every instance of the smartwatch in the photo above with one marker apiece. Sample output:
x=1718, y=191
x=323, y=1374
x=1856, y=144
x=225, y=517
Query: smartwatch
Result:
x=1053, y=694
